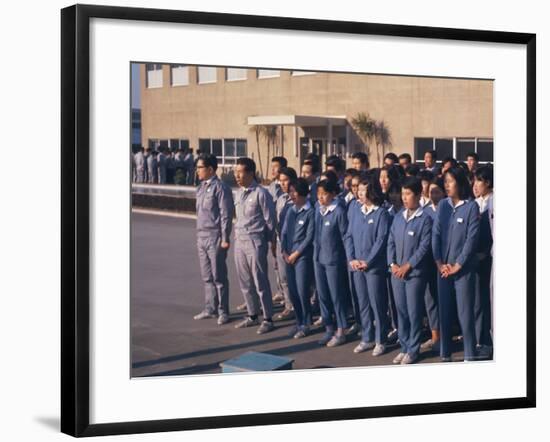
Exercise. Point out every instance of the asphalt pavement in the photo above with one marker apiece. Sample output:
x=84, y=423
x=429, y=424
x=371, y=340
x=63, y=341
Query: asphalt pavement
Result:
x=166, y=293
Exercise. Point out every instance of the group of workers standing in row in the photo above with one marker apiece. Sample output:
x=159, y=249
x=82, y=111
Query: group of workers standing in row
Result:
x=381, y=249
x=163, y=166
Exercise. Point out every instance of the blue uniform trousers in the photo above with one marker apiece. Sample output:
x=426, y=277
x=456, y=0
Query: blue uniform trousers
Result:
x=365, y=316
x=332, y=288
x=431, y=299
x=212, y=259
x=409, y=301
x=372, y=288
x=457, y=291
x=299, y=288
x=392, y=309
x=482, y=307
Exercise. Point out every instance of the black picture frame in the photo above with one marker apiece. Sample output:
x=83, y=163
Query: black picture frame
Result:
x=75, y=212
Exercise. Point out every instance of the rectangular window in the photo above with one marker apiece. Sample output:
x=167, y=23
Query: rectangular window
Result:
x=174, y=144
x=163, y=143
x=298, y=73
x=457, y=148
x=443, y=148
x=268, y=73
x=204, y=145
x=485, y=150
x=152, y=143
x=154, y=75
x=233, y=74
x=226, y=151
x=421, y=146
x=207, y=74
x=179, y=74
x=463, y=147
x=184, y=144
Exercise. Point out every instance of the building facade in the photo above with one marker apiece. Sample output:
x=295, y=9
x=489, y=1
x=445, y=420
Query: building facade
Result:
x=235, y=112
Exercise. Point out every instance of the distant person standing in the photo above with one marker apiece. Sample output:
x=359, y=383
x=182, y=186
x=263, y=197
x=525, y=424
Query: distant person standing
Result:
x=189, y=162
x=277, y=163
x=170, y=166
x=152, y=165
x=430, y=158
x=254, y=228
x=214, y=222
x=180, y=171
x=360, y=161
x=139, y=159
x=161, y=164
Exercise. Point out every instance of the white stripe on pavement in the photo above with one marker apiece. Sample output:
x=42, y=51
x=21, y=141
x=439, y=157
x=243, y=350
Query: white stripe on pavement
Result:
x=164, y=213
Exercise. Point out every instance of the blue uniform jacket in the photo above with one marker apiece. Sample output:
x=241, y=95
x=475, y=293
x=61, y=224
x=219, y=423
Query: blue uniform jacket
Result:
x=298, y=230
x=455, y=232
x=367, y=237
x=329, y=233
x=410, y=242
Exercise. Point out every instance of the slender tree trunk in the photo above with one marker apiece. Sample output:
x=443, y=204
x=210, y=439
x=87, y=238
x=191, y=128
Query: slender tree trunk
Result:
x=259, y=153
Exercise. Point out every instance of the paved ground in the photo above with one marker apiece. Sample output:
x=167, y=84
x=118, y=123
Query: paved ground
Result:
x=167, y=292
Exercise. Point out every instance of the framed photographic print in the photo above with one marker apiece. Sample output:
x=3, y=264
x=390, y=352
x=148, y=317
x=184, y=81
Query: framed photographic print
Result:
x=293, y=217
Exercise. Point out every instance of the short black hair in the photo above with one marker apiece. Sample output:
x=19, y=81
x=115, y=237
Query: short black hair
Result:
x=301, y=186
x=425, y=175
x=392, y=157
x=474, y=155
x=314, y=165
x=412, y=169
x=248, y=163
x=405, y=156
x=336, y=162
x=485, y=174
x=362, y=157
x=281, y=160
x=209, y=160
x=433, y=153
x=450, y=160
x=351, y=172
x=330, y=176
x=464, y=188
x=412, y=183
x=289, y=172
x=329, y=186
x=374, y=191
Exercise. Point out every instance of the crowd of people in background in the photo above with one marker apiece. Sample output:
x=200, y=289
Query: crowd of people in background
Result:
x=163, y=166
x=395, y=254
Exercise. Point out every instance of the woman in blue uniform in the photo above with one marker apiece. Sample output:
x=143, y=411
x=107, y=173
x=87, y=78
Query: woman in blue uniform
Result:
x=330, y=262
x=409, y=243
x=366, y=242
x=483, y=186
x=297, y=246
x=455, y=236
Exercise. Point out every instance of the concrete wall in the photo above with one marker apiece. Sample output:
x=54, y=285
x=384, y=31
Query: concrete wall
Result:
x=410, y=106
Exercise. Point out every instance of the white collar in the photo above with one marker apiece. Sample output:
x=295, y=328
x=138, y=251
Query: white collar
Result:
x=416, y=213
x=366, y=212
x=328, y=209
x=424, y=201
x=460, y=203
x=349, y=196
x=306, y=206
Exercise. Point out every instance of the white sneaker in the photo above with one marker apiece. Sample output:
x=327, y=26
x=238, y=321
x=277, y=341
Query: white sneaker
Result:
x=399, y=358
x=363, y=346
x=223, y=319
x=203, y=315
x=379, y=349
x=409, y=359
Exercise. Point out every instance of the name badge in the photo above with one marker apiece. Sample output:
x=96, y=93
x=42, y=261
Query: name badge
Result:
x=327, y=223
x=208, y=190
x=301, y=222
x=250, y=200
x=460, y=220
x=411, y=233
x=370, y=221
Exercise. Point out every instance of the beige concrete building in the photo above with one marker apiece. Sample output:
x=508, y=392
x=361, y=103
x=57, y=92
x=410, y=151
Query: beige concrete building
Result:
x=217, y=110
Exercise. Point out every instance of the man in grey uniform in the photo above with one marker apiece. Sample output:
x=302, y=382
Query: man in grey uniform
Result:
x=254, y=228
x=214, y=219
x=152, y=171
x=277, y=163
x=139, y=159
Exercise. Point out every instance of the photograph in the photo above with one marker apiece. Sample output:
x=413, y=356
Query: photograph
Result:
x=303, y=219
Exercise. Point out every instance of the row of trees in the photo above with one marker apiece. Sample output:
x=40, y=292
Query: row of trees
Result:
x=369, y=130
